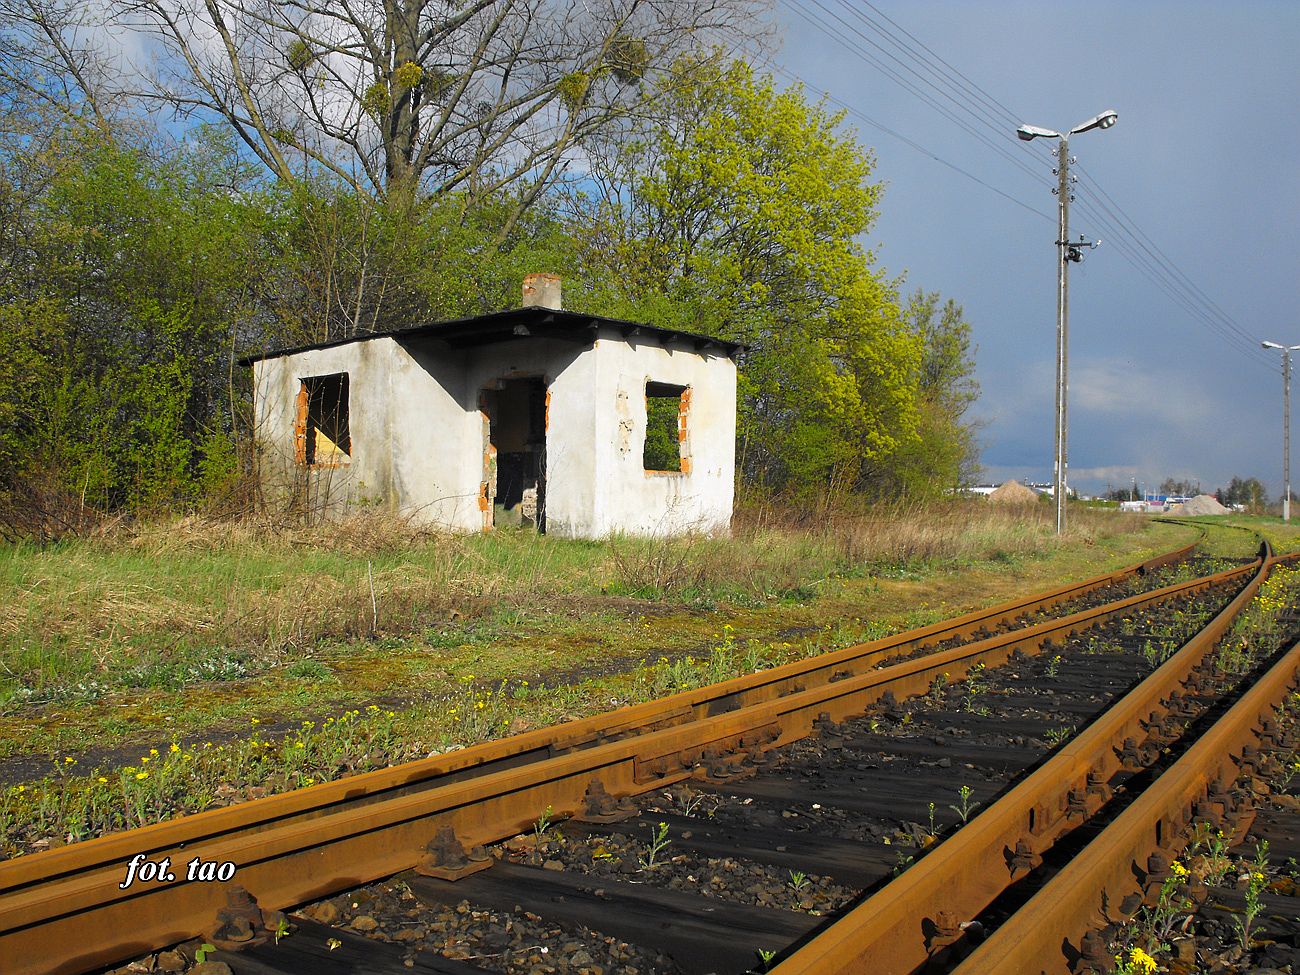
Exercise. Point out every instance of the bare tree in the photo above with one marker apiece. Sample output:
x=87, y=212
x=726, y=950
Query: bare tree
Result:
x=51, y=58
x=396, y=96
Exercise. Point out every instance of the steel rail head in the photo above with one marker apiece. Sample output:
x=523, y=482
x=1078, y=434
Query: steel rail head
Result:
x=885, y=933
x=1099, y=878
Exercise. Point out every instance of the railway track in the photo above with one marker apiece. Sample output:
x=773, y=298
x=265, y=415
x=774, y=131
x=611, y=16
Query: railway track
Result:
x=63, y=910
x=1126, y=803
x=604, y=876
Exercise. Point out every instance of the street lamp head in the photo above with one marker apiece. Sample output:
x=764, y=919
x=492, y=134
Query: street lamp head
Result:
x=1028, y=132
x=1103, y=121
x=1270, y=345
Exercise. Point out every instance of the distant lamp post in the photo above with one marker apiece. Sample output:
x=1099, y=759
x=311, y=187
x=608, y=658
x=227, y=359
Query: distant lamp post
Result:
x=1068, y=252
x=1286, y=424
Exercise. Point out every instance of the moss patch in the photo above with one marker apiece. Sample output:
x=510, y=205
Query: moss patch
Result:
x=582, y=646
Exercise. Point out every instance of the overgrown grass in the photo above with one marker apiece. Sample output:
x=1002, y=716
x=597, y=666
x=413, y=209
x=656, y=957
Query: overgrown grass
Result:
x=188, y=775
x=1257, y=632
x=173, y=603
x=1285, y=537
x=72, y=803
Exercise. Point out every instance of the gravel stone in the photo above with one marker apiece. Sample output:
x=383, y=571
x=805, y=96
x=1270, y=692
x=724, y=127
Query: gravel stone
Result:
x=171, y=961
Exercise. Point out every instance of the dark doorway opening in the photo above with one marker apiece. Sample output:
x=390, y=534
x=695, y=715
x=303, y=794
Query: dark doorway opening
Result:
x=516, y=410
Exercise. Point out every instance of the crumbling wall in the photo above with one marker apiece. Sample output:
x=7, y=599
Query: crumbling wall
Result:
x=419, y=434
x=568, y=370
x=364, y=474
x=699, y=496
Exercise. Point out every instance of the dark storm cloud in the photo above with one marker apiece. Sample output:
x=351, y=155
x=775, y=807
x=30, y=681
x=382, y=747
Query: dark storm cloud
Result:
x=1203, y=160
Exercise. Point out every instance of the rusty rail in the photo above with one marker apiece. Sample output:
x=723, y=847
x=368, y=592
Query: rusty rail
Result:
x=892, y=931
x=63, y=911
x=1045, y=934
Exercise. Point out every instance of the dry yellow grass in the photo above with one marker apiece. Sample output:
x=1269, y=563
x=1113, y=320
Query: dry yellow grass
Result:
x=165, y=603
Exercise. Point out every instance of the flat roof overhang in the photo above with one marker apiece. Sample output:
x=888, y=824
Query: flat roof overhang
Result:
x=519, y=323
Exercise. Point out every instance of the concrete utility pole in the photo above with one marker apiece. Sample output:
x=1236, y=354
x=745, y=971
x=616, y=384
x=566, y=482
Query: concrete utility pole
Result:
x=1067, y=252
x=1286, y=424
x=1059, y=488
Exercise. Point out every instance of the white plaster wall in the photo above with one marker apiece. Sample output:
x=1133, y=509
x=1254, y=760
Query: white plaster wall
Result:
x=436, y=454
x=632, y=500
x=417, y=434
x=367, y=476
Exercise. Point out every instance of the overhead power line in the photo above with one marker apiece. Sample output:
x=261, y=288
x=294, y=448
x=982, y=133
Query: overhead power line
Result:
x=878, y=41
x=880, y=126
x=899, y=77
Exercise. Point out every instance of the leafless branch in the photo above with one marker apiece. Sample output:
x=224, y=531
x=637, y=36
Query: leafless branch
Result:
x=425, y=93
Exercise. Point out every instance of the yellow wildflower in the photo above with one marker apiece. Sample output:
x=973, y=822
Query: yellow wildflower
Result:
x=1141, y=961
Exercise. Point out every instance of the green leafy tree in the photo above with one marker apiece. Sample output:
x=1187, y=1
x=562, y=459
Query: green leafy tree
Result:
x=123, y=307
x=353, y=265
x=944, y=453
x=1248, y=491
x=740, y=216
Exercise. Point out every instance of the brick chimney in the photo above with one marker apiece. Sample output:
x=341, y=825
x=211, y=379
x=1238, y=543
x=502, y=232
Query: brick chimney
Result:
x=542, y=291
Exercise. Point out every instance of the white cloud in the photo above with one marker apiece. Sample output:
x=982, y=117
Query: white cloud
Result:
x=1115, y=387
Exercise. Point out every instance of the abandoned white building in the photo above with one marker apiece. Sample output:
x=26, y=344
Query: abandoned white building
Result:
x=579, y=425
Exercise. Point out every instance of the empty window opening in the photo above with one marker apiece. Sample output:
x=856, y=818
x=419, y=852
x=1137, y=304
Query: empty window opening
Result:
x=665, y=427
x=323, y=435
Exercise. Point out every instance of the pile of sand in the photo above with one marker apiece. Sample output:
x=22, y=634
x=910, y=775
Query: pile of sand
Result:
x=1013, y=492
x=1202, y=504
